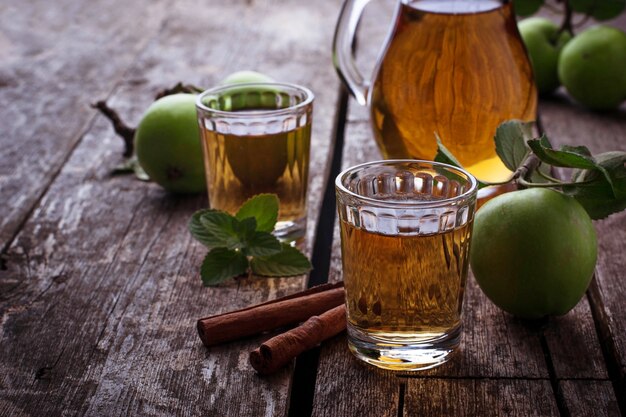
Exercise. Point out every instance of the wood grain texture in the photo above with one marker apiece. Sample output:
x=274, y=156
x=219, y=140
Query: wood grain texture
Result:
x=590, y=398
x=101, y=292
x=482, y=397
x=347, y=387
x=54, y=61
x=568, y=123
x=495, y=344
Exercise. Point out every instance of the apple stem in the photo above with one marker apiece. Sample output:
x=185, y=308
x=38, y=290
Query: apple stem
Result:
x=528, y=166
x=179, y=88
x=521, y=181
x=126, y=132
x=567, y=20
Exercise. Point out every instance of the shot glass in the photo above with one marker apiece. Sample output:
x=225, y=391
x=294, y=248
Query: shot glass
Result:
x=256, y=139
x=406, y=227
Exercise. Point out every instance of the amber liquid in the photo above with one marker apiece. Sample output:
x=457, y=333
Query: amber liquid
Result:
x=458, y=68
x=400, y=287
x=241, y=166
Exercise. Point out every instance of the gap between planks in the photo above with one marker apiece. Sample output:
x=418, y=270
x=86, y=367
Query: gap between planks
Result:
x=305, y=371
x=607, y=343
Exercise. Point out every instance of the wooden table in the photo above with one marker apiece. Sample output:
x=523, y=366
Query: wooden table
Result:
x=99, y=285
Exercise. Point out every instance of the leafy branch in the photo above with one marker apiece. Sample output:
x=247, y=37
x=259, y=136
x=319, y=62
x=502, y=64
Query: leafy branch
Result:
x=597, y=9
x=598, y=182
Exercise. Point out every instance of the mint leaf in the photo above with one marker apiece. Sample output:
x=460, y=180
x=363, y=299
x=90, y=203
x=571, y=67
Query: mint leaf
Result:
x=198, y=231
x=245, y=229
x=221, y=264
x=262, y=244
x=567, y=156
x=510, y=139
x=288, y=262
x=264, y=208
x=222, y=230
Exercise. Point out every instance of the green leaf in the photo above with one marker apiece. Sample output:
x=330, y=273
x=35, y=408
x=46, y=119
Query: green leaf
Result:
x=611, y=165
x=288, y=262
x=578, y=157
x=262, y=244
x=599, y=9
x=597, y=198
x=264, y=208
x=604, y=191
x=545, y=169
x=198, y=231
x=567, y=156
x=444, y=155
x=510, y=139
x=221, y=264
x=527, y=7
x=245, y=229
x=222, y=229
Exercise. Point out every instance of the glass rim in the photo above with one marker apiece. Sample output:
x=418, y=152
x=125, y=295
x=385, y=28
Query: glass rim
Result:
x=407, y=204
x=309, y=97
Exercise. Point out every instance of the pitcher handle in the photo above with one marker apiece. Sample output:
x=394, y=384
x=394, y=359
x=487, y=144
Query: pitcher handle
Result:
x=343, y=56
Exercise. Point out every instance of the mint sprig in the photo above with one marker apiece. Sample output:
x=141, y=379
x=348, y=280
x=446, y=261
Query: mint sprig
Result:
x=598, y=182
x=243, y=243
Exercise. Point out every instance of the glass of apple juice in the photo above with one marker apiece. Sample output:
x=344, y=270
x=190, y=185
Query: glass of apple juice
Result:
x=406, y=227
x=256, y=139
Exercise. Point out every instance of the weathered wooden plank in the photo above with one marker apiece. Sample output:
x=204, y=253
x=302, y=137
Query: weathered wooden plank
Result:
x=575, y=336
x=101, y=321
x=572, y=337
x=568, y=123
x=348, y=387
x=55, y=60
x=590, y=398
x=495, y=344
x=478, y=397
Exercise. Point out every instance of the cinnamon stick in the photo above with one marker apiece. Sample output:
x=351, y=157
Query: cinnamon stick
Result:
x=280, y=350
x=270, y=315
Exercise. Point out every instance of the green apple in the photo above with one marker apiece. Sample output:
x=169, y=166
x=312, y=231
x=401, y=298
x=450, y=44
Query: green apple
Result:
x=246, y=76
x=533, y=252
x=544, y=44
x=167, y=142
x=592, y=67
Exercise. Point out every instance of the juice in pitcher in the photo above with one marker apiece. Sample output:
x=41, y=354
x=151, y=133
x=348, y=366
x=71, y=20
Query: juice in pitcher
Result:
x=457, y=68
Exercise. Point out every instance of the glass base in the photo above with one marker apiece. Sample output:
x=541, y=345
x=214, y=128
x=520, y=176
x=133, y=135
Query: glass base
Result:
x=402, y=353
x=289, y=231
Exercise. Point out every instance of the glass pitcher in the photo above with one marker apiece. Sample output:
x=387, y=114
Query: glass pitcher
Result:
x=457, y=68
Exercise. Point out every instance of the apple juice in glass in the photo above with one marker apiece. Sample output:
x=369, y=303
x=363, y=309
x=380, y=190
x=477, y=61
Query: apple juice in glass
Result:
x=256, y=139
x=405, y=235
